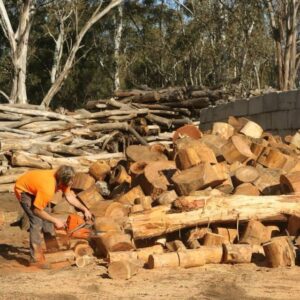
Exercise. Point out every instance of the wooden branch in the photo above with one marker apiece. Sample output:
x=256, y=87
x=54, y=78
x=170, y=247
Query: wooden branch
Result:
x=33, y=112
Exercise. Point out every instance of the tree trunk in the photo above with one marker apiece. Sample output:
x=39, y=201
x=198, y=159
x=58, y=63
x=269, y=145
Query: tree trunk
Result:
x=212, y=210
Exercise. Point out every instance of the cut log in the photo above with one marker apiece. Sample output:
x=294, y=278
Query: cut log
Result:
x=119, y=175
x=83, y=250
x=294, y=225
x=137, y=168
x=99, y=170
x=272, y=158
x=7, y=188
x=113, y=241
x=199, y=177
x=129, y=197
x=247, y=189
x=82, y=181
x=229, y=234
x=235, y=254
x=153, y=181
x=83, y=261
x=63, y=207
x=214, y=142
x=215, y=209
x=192, y=152
x=290, y=183
x=167, y=197
x=187, y=131
x=223, y=129
x=246, y=174
x=237, y=150
x=163, y=260
x=109, y=208
x=122, y=270
x=268, y=183
x=143, y=153
x=90, y=197
x=106, y=224
x=213, y=239
x=255, y=233
x=296, y=140
x=9, y=178
x=60, y=256
x=279, y=252
x=252, y=129
x=191, y=258
x=136, y=208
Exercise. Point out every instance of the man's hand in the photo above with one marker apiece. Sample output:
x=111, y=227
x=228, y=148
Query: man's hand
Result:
x=87, y=215
x=59, y=224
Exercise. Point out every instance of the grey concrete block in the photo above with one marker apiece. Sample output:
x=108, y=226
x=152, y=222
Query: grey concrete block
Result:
x=219, y=112
x=256, y=105
x=280, y=120
x=298, y=99
x=206, y=114
x=294, y=119
x=270, y=102
x=284, y=132
x=287, y=100
x=240, y=108
x=264, y=120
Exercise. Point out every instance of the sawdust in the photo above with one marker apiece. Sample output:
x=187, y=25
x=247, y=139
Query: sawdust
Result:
x=247, y=282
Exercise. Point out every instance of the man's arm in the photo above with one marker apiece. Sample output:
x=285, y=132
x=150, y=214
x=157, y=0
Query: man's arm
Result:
x=72, y=199
x=45, y=216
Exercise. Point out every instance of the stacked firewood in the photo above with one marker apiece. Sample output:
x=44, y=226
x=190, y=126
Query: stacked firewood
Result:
x=226, y=196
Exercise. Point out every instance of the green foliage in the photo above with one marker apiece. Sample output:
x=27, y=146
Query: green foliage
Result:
x=163, y=43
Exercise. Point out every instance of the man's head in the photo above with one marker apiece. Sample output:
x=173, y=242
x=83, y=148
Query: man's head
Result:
x=64, y=175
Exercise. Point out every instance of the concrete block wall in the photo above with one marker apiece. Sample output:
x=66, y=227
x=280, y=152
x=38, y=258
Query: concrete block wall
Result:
x=278, y=113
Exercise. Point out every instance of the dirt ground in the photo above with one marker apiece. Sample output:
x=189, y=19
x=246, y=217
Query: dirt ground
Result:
x=18, y=281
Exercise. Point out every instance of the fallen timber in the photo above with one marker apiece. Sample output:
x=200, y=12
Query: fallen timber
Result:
x=214, y=209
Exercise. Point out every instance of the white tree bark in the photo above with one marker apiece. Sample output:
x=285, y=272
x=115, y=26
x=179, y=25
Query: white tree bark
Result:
x=118, y=37
x=18, y=42
x=96, y=16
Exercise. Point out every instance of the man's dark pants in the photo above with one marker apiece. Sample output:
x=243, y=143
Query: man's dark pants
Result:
x=37, y=227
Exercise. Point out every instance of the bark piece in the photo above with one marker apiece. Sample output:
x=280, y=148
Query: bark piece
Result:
x=279, y=252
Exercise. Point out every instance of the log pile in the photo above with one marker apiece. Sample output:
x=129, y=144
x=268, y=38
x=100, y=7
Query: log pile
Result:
x=216, y=197
x=225, y=196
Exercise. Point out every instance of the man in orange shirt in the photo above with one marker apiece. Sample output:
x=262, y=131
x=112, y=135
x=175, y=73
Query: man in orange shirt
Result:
x=34, y=190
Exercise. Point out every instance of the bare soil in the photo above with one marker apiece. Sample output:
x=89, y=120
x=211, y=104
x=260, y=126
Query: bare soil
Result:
x=18, y=281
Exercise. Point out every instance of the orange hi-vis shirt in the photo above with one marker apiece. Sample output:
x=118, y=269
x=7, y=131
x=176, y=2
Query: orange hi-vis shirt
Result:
x=41, y=184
